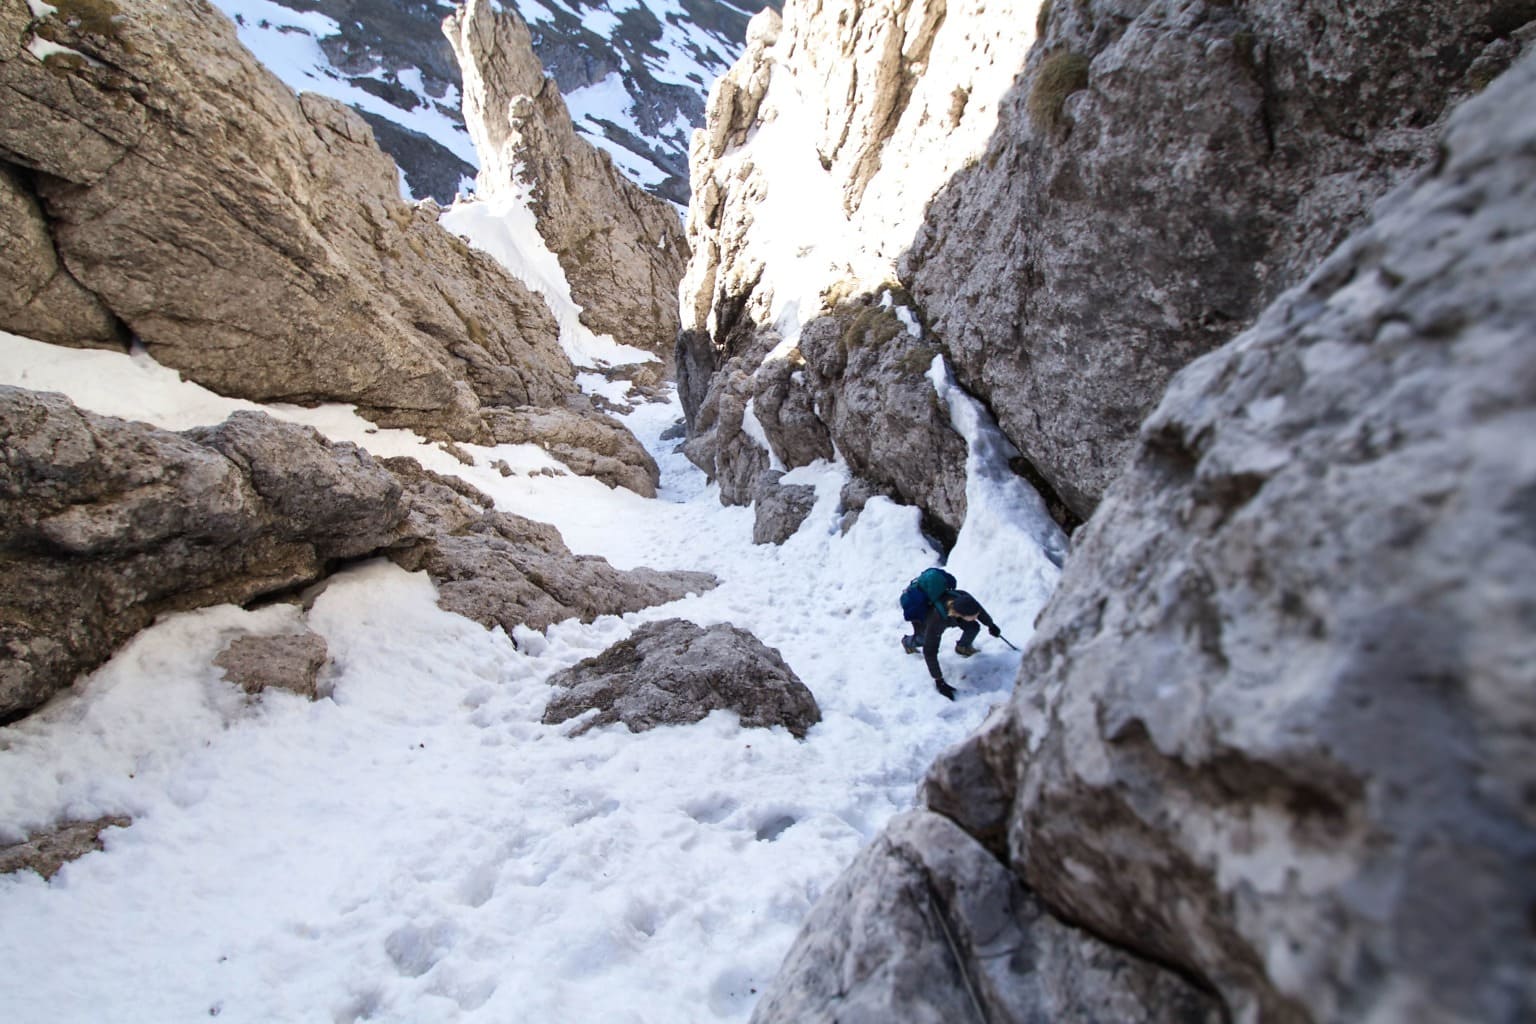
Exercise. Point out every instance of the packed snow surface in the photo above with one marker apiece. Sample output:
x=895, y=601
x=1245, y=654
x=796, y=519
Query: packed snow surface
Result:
x=417, y=846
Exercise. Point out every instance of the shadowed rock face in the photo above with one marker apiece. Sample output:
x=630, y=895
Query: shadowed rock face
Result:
x=1203, y=158
x=249, y=238
x=927, y=927
x=621, y=248
x=1275, y=728
x=673, y=672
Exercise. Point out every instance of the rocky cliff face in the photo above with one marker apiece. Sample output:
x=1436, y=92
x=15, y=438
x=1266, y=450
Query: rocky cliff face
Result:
x=1274, y=731
x=1162, y=170
x=622, y=250
x=247, y=237
x=1075, y=199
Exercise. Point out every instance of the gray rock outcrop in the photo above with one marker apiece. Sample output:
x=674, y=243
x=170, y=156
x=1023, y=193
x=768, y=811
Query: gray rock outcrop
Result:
x=674, y=672
x=1275, y=728
x=1161, y=172
x=780, y=508
x=1070, y=221
x=622, y=249
x=504, y=570
x=249, y=238
x=107, y=524
x=927, y=927
x=590, y=442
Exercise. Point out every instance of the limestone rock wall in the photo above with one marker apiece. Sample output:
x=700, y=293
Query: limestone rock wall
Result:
x=621, y=248
x=249, y=238
x=1161, y=172
x=1077, y=199
x=1275, y=730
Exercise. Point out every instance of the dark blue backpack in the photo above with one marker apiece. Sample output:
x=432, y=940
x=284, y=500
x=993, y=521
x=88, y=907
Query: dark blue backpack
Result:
x=924, y=593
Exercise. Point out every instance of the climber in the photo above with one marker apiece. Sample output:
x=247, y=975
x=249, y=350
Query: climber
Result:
x=952, y=607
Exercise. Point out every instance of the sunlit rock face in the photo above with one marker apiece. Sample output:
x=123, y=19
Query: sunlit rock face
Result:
x=1276, y=729
x=250, y=238
x=820, y=151
x=621, y=249
x=1076, y=198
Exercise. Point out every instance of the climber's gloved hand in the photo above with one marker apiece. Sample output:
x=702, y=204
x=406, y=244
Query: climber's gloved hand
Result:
x=945, y=690
x=994, y=630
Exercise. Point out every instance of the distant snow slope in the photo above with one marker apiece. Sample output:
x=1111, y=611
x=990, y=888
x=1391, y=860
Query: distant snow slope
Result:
x=634, y=74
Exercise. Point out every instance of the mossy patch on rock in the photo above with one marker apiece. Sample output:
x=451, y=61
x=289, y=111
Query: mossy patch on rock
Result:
x=1061, y=74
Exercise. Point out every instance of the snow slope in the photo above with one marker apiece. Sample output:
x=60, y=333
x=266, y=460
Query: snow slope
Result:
x=418, y=847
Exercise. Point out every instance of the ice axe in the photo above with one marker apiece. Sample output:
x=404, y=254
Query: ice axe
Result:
x=1005, y=640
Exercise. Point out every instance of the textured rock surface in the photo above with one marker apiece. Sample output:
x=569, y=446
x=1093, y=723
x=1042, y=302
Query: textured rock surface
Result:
x=38, y=297
x=1208, y=158
x=253, y=239
x=780, y=508
x=926, y=927
x=590, y=442
x=887, y=137
x=1276, y=725
x=621, y=248
x=858, y=376
x=287, y=662
x=503, y=570
x=1074, y=220
x=46, y=852
x=673, y=672
x=104, y=524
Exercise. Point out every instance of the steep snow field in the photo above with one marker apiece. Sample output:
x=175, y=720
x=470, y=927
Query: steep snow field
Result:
x=418, y=847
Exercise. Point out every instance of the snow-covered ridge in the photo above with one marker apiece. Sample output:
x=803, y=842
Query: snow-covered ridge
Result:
x=634, y=75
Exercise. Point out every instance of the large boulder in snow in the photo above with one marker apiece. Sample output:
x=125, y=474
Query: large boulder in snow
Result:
x=1277, y=726
x=927, y=927
x=504, y=570
x=674, y=672
x=779, y=508
x=252, y=239
x=622, y=249
x=105, y=524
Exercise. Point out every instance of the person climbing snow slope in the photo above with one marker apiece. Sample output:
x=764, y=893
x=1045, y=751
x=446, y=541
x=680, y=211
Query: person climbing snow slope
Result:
x=941, y=606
